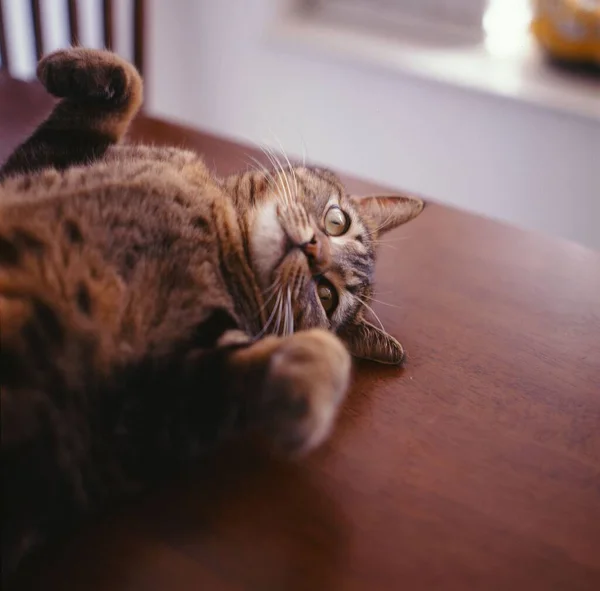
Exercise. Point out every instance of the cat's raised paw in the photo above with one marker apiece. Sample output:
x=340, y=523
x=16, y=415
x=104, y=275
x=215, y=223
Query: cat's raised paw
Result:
x=89, y=75
x=307, y=381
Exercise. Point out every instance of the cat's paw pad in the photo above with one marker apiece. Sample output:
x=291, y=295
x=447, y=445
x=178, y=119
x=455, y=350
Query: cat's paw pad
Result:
x=89, y=74
x=307, y=381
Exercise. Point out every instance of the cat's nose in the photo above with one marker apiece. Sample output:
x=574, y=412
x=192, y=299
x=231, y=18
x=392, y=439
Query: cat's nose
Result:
x=317, y=253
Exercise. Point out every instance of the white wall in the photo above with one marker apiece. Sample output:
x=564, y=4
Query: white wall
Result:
x=212, y=66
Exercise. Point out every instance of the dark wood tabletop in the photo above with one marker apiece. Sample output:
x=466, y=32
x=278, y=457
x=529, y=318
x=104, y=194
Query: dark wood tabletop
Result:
x=477, y=466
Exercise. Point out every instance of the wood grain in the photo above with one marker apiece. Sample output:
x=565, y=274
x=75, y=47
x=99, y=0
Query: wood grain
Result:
x=475, y=467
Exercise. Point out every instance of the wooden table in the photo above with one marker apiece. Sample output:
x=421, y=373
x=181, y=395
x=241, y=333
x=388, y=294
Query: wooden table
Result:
x=475, y=467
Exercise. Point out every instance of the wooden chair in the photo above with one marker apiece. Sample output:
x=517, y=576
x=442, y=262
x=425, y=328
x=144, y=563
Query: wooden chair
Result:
x=108, y=29
x=23, y=104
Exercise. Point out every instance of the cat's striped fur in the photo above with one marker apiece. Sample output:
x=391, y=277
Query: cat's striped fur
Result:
x=149, y=309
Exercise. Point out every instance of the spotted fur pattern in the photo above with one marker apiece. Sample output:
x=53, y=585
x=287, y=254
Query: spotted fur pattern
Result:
x=149, y=309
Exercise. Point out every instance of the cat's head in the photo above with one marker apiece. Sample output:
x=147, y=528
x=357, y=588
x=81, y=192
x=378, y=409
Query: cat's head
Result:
x=313, y=250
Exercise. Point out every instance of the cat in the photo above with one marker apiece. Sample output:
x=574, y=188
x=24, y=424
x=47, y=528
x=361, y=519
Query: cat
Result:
x=149, y=309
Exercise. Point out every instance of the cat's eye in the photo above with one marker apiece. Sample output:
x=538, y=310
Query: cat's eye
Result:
x=336, y=221
x=327, y=295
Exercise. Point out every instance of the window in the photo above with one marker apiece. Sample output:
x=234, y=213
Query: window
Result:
x=436, y=21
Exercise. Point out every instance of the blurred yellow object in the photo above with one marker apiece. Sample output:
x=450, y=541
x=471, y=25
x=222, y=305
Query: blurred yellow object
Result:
x=569, y=30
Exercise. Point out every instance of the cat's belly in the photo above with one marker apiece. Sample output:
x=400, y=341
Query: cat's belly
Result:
x=138, y=257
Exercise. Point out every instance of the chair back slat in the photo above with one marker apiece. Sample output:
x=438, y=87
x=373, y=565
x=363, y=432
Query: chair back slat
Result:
x=36, y=19
x=5, y=65
x=139, y=22
x=107, y=15
x=73, y=22
x=73, y=10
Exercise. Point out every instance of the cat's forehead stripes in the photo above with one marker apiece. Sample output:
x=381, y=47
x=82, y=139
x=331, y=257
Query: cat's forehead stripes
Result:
x=318, y=185
x=323, y=189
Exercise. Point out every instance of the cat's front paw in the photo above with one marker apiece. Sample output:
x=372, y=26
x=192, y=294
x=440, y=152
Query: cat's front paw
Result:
x=307, y=380
x=89, y=75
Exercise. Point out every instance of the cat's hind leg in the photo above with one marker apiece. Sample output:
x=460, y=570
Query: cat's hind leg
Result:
x=100, y=94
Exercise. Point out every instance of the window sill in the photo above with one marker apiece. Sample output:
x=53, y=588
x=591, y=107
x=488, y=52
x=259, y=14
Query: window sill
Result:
x=524, y=77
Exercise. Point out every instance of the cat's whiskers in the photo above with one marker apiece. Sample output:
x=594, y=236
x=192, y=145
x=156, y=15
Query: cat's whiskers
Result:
x=291, y=168
x=261, y=168
x=287, y=189
x=271, y=292
x=295, y=178
x=377, y=242
x=385, y=303
x=255, y=162
x=292, y=327
x=296, y=285
x=372, y=312
x=279, y=313
x=384, y=245
x=271, y=318
x=303, y=151
x=286, y=316
x=285, y=185
x=276, y=283
x=273, y=182
x=289, y=323
x=375, y=231
x=281, y=190
x=268, y=153
x=390, y=241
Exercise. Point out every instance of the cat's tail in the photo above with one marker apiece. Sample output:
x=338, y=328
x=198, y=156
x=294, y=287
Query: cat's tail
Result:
x=100, y=94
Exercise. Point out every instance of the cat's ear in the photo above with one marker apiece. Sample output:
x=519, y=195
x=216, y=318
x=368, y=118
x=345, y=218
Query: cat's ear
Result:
x=366, y=341
x=387, y=212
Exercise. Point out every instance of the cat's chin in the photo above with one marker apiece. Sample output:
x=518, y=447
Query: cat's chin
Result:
x=268, y=243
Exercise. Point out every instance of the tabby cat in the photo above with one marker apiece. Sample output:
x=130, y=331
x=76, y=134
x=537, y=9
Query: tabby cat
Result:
x=149, y=309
